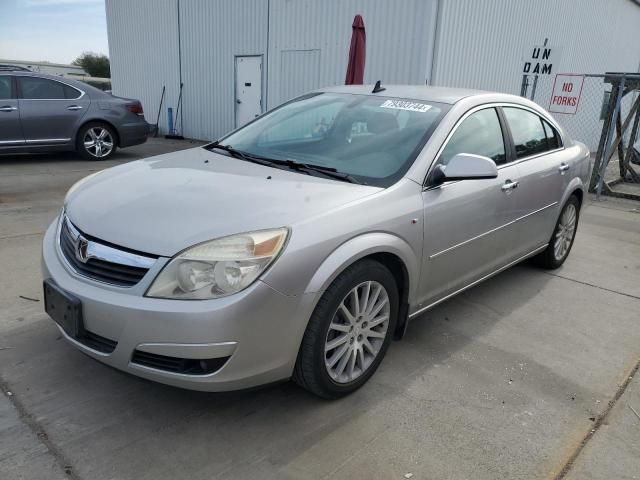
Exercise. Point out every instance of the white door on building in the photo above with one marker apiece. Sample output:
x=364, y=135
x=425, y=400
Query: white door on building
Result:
x=248, y=88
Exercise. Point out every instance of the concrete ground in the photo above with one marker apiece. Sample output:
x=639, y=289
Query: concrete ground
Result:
x=529, y=375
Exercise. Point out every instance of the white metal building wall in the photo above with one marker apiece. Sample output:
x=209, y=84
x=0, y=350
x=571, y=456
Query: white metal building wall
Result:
x=305, y=45
x=308, y=45
x=143, y=49
x=399, y=42
x=483, y=44
x=212, y=33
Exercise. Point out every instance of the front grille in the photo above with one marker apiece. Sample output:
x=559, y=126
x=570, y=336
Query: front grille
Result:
x=99, y=269
x=187, y=366
x=96, y=342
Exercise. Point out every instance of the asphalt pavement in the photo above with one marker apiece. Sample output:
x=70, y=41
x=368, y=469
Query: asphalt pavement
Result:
x=530, y=375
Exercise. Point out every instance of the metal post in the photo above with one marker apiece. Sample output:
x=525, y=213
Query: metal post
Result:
x=535, y=78
x=525, y=86
x=632, y=141
x=620, y=133
x=170, y=121
x=605, y=160
x=533, y=88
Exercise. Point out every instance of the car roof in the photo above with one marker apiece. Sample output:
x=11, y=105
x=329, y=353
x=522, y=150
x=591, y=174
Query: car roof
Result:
x=85, y=87
x=30, y=73
x=415, y=92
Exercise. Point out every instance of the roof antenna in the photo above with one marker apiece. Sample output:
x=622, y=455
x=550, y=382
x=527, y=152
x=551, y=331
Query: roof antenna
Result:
x=377, y=88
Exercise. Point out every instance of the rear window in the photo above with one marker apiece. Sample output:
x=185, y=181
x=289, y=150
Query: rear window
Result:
x=553, y=139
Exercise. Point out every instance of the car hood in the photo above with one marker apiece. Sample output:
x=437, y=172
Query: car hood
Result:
x=167, y=203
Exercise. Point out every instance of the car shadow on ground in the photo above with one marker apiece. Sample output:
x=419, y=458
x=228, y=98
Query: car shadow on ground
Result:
x=86, y=405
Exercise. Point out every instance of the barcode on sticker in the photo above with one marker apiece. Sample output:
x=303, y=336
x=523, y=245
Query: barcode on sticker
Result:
x=405, y=105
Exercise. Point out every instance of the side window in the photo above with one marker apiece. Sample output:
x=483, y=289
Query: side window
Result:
x=527, y=131
x=71, y=93
x=553, y=139
x=6, y=87
x=479, y=134
x=35, y=88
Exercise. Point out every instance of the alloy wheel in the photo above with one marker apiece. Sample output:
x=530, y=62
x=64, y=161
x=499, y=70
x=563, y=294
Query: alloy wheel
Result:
x=98, y=142
x=357, y=332
x=565, y=231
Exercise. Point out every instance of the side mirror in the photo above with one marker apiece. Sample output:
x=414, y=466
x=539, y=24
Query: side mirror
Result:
x=465, y=166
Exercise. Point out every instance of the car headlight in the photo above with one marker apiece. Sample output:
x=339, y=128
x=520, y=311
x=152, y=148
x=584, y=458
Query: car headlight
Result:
x=219, y=267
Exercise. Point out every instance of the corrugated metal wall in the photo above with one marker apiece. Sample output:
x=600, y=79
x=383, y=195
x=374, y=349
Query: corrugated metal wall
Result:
x=212, y=33
x=299, y=72
x=392, y=27
x=483, y=45
x=305, y=44
x=143, y=44
x=143, y=49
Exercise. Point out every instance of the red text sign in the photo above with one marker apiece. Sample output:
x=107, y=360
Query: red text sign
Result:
x=565, y=97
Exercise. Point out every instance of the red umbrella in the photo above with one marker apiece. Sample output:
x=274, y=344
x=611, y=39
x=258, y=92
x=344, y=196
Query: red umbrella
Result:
x=357, y=53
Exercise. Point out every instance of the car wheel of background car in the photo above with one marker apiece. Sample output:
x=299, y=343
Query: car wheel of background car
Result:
x=349, y=331
x=563, y=235
x=96, y=141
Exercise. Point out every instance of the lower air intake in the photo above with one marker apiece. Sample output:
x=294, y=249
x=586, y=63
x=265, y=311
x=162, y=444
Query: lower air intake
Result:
x=186, y=366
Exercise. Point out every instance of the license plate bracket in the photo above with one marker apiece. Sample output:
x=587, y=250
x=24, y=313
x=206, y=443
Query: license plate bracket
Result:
x=64, y=308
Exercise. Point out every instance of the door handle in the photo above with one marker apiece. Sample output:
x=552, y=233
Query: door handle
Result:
x=8, y=109
x=563, y=167
x=509, y=185
x=238, y=101
x=74, y=107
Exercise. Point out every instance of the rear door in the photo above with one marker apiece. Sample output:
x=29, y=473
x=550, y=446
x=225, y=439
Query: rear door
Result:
x=10, y=131
x=51, y=111
x=468, y=226
x=543, y=175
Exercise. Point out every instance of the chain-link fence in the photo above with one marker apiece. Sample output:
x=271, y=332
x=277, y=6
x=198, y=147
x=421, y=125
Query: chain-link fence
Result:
x=584, y=104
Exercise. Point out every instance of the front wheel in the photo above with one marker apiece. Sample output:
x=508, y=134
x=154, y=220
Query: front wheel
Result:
x=563, y=235
x=349, y=331
x=96, y=141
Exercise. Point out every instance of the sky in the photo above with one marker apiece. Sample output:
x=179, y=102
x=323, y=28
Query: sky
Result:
x=52, y=30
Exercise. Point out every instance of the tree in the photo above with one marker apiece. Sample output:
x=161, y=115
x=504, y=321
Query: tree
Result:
x=95, y=64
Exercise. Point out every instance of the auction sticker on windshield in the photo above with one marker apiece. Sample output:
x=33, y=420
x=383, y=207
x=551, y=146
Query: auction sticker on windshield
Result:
x=406, y=105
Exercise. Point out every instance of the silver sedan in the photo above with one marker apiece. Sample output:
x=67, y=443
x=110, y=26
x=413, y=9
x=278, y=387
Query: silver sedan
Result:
x=299, y=245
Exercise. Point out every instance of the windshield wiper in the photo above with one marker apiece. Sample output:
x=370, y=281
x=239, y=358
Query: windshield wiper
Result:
x=292, y=164
x=242, y=155
x=327, y=171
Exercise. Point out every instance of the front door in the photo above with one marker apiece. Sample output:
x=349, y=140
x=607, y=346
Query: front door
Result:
x=469, y=229
x=10, y=131
x=467, y=232
x=50, y=111
x=248, y=88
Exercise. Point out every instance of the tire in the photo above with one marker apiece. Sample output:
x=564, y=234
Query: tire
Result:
x=551, y=258
x=104, y=138
x=329, y=323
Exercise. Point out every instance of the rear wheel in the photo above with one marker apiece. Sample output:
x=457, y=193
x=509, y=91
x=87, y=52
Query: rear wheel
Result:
x=563, y=235
x=96, y=141
x=349, y=331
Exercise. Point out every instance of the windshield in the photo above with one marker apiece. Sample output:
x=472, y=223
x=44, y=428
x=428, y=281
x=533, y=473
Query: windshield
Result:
x=371, y=139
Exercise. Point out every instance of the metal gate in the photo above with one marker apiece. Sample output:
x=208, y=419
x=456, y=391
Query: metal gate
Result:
x=605, y=118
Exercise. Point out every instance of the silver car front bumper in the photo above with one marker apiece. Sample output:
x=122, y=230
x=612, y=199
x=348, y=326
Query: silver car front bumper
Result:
x=259, y=329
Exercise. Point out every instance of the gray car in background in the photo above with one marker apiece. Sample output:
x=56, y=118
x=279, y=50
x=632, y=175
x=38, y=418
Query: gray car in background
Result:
x=41, y=112
x=299, y=245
